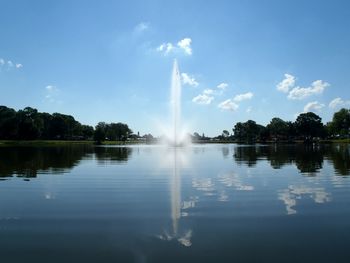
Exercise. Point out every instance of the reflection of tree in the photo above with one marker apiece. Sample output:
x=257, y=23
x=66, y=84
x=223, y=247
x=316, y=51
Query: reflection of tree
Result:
x=307, y=158
x=28, y=161
x=247, y=155
x=225, y=151
x=113, y=154
x=280, y=155
x=340, y=157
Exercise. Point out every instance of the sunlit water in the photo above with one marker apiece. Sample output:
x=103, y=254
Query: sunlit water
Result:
x=202, y=203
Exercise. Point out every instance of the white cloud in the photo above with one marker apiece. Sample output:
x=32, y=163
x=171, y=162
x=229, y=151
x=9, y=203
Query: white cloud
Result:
x=190, y=80
x=317, y=87
x=166, y=48
x=313, y=106
x=203, y=99
x=244, y=96
x=228, y=105
x=338, y=102
x=50, y=87
x=9, y=64
x=249, y=110
x=142, y=27
x=286, y=84
x=185, y=44
x=222, y=86
x=51, y=93
x=208, y=91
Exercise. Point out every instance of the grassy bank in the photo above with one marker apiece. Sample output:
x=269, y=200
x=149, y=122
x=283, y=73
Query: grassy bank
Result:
x=42, y=143
x=61, y=143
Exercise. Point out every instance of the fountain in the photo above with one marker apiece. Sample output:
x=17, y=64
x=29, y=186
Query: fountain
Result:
x=175, y=103
x=176, y=135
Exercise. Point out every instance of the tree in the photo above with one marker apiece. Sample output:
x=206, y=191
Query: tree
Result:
x=119, y=131
x=225, y=134
x=277, y=128
x=100, y=132
x=8, y=123
x=238, y=131
x=248, y=131
x=29, y=124
x=309, y=125
x=87, y=131
x=341, y=123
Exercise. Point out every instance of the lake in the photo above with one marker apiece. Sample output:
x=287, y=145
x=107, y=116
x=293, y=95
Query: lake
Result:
x=202, y=203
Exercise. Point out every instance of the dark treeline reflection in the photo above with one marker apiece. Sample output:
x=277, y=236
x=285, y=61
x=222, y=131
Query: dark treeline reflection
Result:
x=112, y=154
x=27, y=162
x=307, y=158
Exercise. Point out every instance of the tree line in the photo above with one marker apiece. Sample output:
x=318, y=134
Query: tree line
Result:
x=307, y=127
x=29, y=124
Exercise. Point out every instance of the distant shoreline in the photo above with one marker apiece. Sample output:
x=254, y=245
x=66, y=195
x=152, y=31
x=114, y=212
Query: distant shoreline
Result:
x=90, y=142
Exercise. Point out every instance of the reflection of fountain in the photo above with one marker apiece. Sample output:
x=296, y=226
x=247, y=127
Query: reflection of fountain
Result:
x=176, y=160
x=175, y=194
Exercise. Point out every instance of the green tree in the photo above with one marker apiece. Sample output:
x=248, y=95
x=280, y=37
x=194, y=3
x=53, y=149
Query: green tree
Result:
x=277, y=128
x=29, y=124
x=341, y=123
x=225, y=134
x=87, y=132
x=8, y=123
x=121, y=131
x=309, y=125
x=248, y=131
x=100, y=132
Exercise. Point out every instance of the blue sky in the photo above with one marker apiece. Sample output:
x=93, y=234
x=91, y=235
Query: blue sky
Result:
x=112, y=60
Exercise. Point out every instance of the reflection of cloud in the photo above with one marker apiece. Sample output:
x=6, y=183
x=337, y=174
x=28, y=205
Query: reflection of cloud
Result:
x=223, y=197
x=190, y=204
x=293, y=193
x=204, y=184
x=288, y=200
x=233, y=180
x=49, y=195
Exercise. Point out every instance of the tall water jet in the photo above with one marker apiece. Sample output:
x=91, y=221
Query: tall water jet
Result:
x=175, y=104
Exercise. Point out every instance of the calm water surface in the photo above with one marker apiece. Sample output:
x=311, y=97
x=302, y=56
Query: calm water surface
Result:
x=203, y=203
